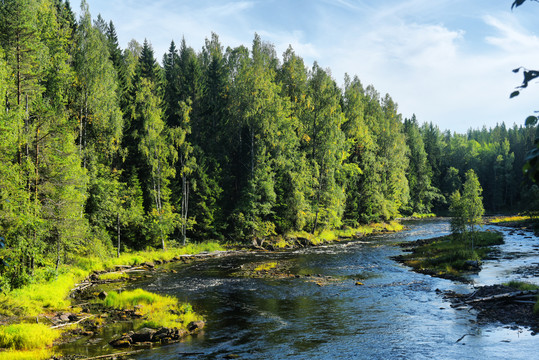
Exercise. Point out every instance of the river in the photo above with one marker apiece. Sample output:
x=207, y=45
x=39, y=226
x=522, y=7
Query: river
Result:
x=395, y=314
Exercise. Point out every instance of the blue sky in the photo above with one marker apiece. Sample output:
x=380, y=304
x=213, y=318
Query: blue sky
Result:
x=447, y=61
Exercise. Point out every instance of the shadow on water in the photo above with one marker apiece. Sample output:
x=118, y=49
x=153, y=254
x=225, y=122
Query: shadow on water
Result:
x=395, y=314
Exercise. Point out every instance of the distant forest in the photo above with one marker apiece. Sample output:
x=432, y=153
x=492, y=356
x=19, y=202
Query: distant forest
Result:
x=104, y=148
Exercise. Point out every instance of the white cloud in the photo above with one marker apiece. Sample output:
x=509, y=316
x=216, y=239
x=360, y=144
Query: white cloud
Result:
x=447, y=61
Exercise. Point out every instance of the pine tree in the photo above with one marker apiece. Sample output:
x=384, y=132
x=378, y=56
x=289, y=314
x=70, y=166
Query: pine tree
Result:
x=419, y=174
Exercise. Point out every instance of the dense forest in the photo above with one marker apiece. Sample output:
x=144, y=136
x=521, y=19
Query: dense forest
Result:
x=104, y=149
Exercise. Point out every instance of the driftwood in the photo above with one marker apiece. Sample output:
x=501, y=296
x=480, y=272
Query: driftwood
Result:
x=110, y=356
x=516, y=294
x=72, y=323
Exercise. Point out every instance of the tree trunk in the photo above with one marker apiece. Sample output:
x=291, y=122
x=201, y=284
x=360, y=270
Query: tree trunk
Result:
x=118, y=232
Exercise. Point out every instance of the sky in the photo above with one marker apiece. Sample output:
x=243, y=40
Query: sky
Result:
x=448, y=62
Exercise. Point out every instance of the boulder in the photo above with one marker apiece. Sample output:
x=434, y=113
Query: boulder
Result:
x=473, y=264
x=122, y=342
x=163, y=334
x=195, y=326
x=143, y=335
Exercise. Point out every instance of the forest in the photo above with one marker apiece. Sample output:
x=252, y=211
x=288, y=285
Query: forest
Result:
x=105, y=150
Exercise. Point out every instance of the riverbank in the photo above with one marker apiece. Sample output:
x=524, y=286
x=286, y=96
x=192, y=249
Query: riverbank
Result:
x=520, y=222
x=36, y=316
x=513, y=304
x=67, y=304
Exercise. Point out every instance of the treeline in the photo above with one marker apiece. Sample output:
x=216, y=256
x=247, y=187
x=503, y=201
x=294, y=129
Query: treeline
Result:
x=104, y=149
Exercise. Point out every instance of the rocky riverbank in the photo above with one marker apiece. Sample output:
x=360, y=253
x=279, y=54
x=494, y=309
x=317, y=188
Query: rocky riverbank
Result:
x=499, y=304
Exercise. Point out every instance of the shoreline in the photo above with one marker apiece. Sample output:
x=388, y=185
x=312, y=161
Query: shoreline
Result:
x=69, y=316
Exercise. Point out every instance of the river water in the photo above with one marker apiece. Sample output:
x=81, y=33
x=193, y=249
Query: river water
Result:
x=395, y=314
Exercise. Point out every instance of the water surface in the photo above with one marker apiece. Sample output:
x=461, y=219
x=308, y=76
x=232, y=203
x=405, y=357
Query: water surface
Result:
x=396, y=314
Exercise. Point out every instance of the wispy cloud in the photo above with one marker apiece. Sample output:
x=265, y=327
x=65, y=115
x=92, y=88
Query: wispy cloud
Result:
x=448, y=61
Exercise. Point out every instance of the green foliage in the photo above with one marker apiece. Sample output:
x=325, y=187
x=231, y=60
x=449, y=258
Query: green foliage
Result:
x=467, y=210
x=103, y=148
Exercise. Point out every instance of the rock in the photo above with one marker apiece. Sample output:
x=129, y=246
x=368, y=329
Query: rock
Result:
x=143, y=335
x=124, y=341
x=474, y=264
x=195, y=325
x=163, y=334
x=180, y=333
x=102, y=295
x=148, y=265
x=64, y=317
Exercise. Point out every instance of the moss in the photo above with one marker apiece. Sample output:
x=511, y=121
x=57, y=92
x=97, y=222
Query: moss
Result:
x=266, y=266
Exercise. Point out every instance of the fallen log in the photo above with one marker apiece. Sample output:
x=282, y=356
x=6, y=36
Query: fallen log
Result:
x=503, y=296
x=72, y=323
x=115, y=355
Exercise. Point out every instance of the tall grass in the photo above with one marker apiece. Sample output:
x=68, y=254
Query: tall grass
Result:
x=27, y=336
x=327, y=236
x=41, y=354
x=157, y=310
x=502, y=219
x=34, y=299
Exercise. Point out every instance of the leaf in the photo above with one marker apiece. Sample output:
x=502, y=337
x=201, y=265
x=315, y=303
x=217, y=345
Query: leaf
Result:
x=529, y=75
x=531, y=120
x=514, y=93
x=517, y=3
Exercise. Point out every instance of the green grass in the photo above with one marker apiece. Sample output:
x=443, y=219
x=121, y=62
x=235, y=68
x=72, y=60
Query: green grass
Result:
x=503, y=219
x=50, y=292
x=327, y=236
x=136, y=258
x=113, y=276
x=27, y=336
x=521, y=285
x=449, y=254
x=157, y=310
x=422, y=216
x=41, y=354
x=38, y=298
x=45, y=296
